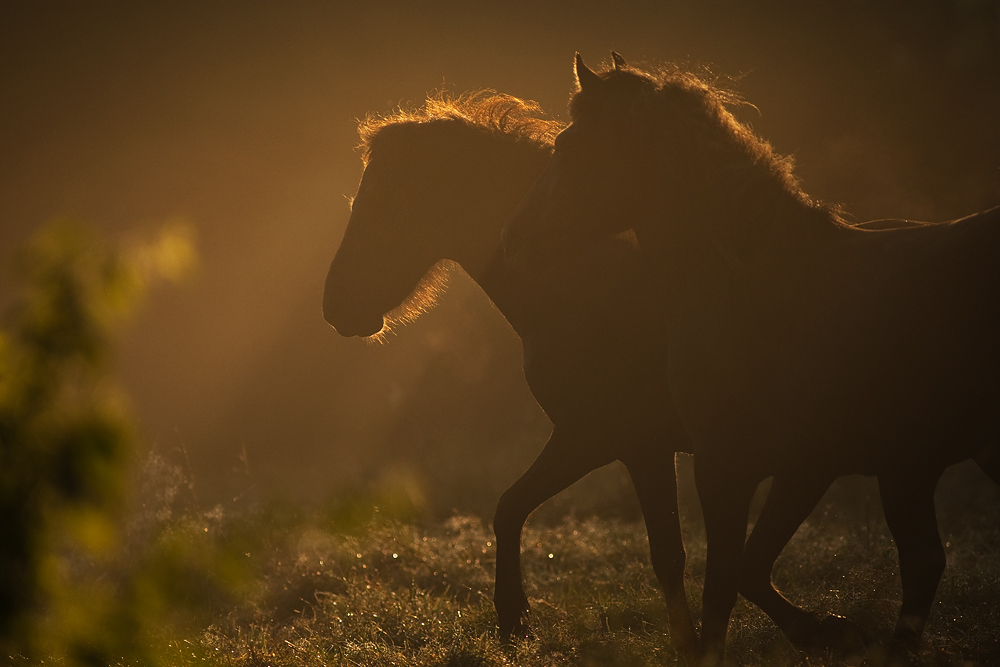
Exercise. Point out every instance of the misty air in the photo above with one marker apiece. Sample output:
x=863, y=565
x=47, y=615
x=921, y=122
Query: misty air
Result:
x=481, y=335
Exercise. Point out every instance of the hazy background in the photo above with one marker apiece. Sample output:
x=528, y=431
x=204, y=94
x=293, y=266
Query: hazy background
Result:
x=241, y=117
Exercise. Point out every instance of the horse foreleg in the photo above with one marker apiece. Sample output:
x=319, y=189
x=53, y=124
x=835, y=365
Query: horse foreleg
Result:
x=725, y=501
x=909, y=512
x=567, y=457
x=653, y=475
x=790, y=501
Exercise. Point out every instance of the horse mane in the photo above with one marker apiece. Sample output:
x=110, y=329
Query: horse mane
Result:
x=498, y=114
x=422, y=299
x=705, y=102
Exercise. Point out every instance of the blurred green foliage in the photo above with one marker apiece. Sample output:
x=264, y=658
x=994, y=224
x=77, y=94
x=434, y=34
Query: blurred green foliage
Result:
x=66, y=443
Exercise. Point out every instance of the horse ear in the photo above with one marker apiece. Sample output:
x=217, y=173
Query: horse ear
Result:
x=584, y=76
x=619, y=62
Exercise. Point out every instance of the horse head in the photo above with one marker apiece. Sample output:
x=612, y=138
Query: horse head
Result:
x=590, y=187
x=437, y=187
x=643, y=148
x=382, y=269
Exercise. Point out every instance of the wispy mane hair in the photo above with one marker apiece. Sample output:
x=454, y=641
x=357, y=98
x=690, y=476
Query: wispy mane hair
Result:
x=497, y=113
x=703, y=103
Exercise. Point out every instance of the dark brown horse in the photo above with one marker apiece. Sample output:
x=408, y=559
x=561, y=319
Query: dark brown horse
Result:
x=438, y=185
x=801, y=347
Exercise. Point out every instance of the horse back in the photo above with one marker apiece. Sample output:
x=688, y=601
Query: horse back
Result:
x=881, y=346
x=920, y=255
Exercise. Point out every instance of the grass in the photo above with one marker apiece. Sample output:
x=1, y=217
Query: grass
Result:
x=339, y=588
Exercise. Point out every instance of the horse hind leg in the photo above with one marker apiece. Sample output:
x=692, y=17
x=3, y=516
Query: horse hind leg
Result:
x=655, y=481
x=791, y=499
x=725, y=494
x=908, y=502
x=567, y=457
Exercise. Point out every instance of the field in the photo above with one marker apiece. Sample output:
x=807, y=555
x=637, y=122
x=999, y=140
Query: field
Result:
x=351, y=585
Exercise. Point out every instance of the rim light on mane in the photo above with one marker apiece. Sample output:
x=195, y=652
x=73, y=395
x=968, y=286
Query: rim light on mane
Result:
x=703, y=99
x=494, y=112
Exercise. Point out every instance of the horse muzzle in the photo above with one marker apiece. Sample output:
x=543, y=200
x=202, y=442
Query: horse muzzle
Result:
x=353, y=324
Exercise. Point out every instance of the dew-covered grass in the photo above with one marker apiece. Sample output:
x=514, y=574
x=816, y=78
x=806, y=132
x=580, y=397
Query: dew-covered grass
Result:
x=381, y=590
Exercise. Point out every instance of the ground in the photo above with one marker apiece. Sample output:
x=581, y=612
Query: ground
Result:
x=336, y=588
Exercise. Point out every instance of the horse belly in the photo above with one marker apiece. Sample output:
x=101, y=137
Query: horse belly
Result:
x=882, y=350
x=854, y=402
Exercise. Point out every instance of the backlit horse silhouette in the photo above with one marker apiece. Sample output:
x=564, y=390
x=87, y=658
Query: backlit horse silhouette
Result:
x=800, y=346
x=438, y=185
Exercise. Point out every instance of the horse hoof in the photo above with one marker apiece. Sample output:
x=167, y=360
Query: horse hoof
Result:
x=514, y=626
x=512, y=616
x=513, y=633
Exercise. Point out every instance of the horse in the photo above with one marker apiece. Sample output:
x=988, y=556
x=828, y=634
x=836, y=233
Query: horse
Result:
x=800, y=347
x=438, y=185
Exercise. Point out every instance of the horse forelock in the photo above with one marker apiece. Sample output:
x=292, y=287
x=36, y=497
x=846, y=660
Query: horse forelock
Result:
x=501, y=115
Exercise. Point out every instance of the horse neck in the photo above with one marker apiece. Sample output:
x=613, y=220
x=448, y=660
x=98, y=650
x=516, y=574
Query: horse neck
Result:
x=711, y=246
x=498, y=282
x=514, y=292
x=746, y=221
x=487, y=209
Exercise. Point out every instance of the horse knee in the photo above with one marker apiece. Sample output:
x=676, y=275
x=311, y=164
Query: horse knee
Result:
x=668, y=566
x=719, y=599
x=508, y=519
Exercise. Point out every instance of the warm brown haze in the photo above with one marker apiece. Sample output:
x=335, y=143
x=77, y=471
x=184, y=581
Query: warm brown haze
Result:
x=390, y=334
